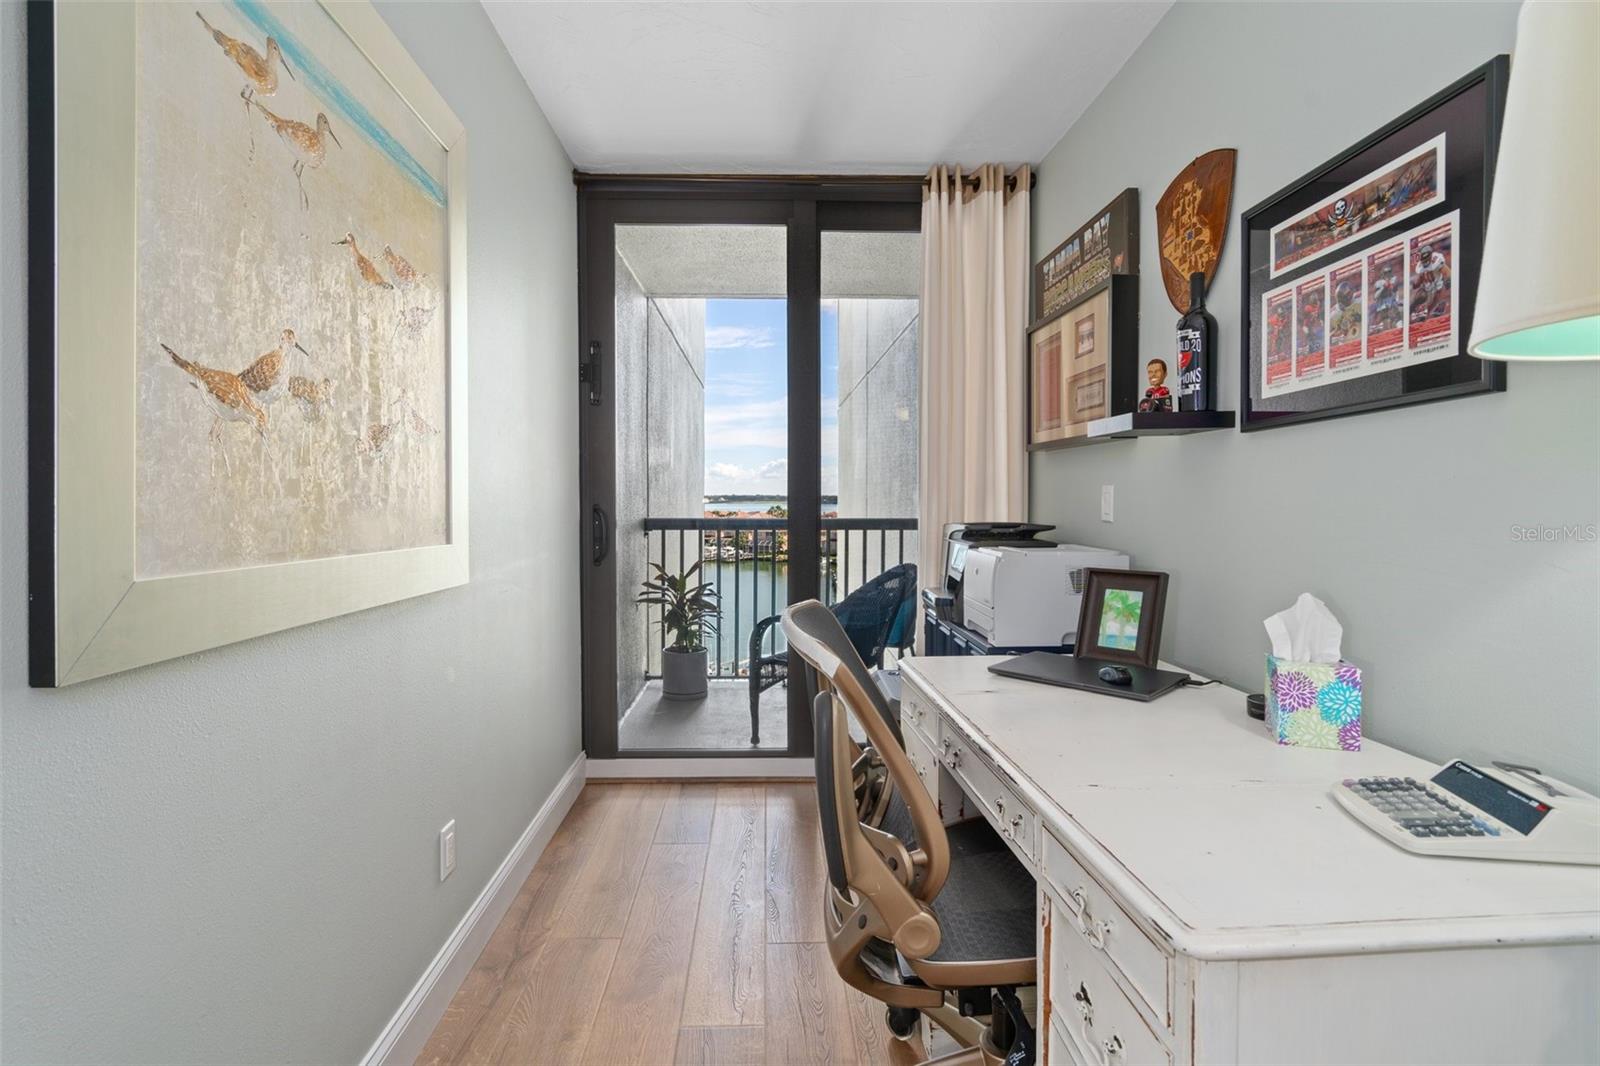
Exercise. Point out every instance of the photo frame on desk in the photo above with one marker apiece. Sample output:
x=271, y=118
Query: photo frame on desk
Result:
x=1119, y=620
x=1359, y=278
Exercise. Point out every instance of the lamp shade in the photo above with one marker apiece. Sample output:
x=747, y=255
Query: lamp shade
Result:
x=1539, y=292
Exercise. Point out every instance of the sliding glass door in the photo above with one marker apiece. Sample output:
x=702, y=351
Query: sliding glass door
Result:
x=707, y=458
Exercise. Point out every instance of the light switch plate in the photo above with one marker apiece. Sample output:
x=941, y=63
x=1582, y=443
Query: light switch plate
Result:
x=447, y=850
x=1108, y=495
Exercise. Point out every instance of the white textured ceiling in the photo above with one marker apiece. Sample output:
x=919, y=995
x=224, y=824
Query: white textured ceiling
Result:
x=814, y=87
x=698, y=261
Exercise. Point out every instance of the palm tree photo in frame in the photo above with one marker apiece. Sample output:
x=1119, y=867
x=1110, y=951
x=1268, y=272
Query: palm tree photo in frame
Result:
x=1119, y=619
x=247, y=292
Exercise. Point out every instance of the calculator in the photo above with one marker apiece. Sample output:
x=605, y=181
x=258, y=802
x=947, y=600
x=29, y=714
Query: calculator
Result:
x=1503, y=811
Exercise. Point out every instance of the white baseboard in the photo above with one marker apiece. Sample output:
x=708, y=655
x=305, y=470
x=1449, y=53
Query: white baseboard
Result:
x=739, y=766
x=403, y=1038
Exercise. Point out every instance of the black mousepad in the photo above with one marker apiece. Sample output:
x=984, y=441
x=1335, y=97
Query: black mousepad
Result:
x=1068, y=671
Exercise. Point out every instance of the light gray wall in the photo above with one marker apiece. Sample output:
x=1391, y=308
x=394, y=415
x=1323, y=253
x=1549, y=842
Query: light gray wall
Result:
x=232, y=857
x=1471, y=641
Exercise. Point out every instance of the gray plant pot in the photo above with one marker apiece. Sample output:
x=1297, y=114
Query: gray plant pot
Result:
x=683, y=674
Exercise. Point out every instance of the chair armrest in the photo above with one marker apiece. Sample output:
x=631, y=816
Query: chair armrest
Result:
x=758, y=634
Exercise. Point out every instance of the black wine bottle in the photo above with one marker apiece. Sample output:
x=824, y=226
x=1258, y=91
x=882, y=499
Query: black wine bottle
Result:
x=1197, y=342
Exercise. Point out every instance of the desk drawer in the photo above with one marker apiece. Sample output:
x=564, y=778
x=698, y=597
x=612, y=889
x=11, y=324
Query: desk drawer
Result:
x=918, y=715
x=1089, y=1005
x=1098, y=924
x=1012, y=818
x=926, y=767
x=1061, y=1051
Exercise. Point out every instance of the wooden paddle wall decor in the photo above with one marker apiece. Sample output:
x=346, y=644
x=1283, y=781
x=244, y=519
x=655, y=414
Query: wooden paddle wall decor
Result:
x=1192, y=219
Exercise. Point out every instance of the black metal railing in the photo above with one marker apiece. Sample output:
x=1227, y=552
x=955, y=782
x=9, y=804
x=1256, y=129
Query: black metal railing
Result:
x=747, y=561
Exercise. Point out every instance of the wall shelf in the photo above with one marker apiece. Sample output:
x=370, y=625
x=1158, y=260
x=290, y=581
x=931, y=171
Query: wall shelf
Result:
x=1159, y=424
x=1144, y=424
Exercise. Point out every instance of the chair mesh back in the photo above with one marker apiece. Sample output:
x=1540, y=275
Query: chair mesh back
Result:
x=827, y=803
x=868, y=615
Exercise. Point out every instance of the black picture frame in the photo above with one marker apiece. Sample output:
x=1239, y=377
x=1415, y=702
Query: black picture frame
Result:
x=1468, y=113
x=1120, y=333
x=1147, y=645
x=1106, y=245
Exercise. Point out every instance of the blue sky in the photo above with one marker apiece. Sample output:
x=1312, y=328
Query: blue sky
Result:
x=747, y=397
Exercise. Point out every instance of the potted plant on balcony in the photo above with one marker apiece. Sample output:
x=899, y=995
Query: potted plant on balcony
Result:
x=689, y=610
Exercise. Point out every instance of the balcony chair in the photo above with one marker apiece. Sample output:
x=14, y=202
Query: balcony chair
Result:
x=879, y=615
x=929, y=919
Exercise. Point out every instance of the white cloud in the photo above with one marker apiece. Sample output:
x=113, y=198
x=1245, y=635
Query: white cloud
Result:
x=761, y=424
x=777, y=468
x=732, y=338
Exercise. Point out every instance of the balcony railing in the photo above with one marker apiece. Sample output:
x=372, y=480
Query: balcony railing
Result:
x=747, y=561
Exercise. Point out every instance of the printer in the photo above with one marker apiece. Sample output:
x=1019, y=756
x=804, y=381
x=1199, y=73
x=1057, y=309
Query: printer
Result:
x=1029, y=597
x=961, y=537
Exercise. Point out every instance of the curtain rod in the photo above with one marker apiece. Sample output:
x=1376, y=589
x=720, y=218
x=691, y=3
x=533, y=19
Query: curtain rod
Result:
x=970, y=181
x=587, y=177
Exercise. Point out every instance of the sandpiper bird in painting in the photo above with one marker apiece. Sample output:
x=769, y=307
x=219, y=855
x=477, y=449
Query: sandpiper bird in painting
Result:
x=261, y=70
x=228, y=398
x=308, y=146
x=415, y=424
x=266, y=377
x=406, y=276
x=369, y=273
x=312, y=397
x=380, y=436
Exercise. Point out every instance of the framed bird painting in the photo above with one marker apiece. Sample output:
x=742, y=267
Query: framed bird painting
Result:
x=247, y=385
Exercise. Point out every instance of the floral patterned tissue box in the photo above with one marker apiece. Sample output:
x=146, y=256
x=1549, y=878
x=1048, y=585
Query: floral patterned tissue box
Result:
x=1314, y=705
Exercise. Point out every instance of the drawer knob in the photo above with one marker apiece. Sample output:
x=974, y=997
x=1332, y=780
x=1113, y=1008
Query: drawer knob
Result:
x=1000, y=806
x=1016, y=822
x=1081, y=898
x=1113, y=1047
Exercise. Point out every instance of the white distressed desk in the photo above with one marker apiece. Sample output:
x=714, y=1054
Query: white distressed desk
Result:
x=1202, y=899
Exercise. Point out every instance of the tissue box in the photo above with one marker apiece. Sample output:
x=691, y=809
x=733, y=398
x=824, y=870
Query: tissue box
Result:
x=1314, y=705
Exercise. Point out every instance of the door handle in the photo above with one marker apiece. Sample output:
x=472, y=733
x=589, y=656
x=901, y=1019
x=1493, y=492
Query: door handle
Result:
x=599, y=534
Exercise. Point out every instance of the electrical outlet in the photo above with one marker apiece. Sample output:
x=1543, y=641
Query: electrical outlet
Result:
x=447, y=850
x=1108, y=498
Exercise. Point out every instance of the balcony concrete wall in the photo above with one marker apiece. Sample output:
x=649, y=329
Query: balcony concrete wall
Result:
x=878, y=394
x=660, y=395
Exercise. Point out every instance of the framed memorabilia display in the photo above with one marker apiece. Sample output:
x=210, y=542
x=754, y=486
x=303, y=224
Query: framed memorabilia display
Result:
x=1081, y=363
x=1359, y=278
x=247, y=387
x=1119, y=619
x=1105, y=245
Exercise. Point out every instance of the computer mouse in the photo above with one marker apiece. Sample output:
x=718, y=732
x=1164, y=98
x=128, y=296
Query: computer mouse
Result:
x=1116, y=675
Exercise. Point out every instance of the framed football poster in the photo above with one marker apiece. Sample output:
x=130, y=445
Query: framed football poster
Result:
x=1359, y=278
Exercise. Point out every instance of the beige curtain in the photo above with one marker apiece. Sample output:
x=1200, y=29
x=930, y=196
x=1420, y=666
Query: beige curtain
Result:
x=974, y=462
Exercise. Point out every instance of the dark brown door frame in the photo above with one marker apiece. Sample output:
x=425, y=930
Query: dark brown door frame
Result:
x=806, y=207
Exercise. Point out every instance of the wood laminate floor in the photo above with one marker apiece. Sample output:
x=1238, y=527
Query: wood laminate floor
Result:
x=668, y=923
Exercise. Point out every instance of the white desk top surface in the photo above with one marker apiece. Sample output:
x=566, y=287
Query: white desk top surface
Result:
x=1230, y=843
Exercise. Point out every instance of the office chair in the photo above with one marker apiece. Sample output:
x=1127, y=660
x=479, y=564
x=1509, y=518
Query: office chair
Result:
x=928, y=919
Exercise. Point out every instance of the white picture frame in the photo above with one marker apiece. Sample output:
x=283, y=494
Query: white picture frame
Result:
x=90, y=615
